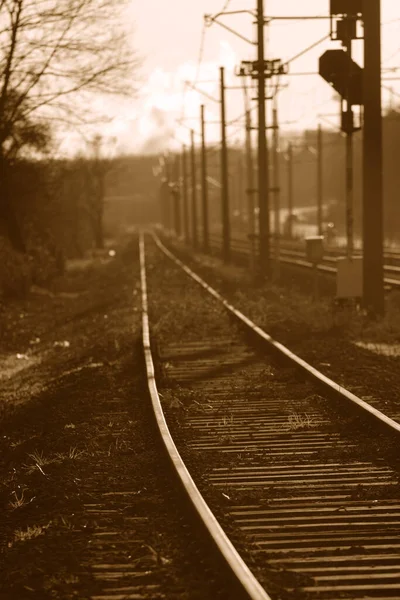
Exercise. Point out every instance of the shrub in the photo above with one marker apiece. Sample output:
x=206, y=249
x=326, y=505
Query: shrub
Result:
x=15, y=271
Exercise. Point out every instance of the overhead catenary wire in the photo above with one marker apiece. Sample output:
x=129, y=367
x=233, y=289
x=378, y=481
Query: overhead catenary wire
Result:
x=198, y=66
x=311, y=47
x=209, y=21
x=226, y=6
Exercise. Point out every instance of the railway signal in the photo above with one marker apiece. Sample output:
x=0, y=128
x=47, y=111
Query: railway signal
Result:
x=361, y=87
x=343, y=74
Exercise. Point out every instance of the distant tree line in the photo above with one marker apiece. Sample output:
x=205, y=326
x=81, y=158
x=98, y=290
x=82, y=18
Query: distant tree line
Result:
x=54, y=54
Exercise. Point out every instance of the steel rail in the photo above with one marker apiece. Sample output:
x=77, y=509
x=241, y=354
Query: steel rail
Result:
x=328, y=384
x=241, y=247
x=329, y=259
x=248, y=585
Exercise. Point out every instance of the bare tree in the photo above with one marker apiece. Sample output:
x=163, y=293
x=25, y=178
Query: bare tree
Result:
x=53, y=55
x=98, y=166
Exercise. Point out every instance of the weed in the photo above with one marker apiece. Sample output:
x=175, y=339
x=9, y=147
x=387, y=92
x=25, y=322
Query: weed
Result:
x=184, y=399
x=154, y=557
x=59, y=581
x=226, y=421
x=119, y=446
x=67, y=524
x=297, y=421
x=39, y=461
x=171, y=400
x=72, y=454
x=19, y=501
x=30, y=533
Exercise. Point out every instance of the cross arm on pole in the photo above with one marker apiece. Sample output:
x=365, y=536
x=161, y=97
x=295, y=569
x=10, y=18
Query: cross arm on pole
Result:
x=239, y=35
x=296, y=18
x=210, y=18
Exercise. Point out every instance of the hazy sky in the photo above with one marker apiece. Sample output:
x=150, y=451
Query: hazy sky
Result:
x=168, y=34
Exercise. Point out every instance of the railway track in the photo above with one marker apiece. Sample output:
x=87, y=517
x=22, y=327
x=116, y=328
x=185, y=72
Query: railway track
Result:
x=309, y=497
x=295, y=257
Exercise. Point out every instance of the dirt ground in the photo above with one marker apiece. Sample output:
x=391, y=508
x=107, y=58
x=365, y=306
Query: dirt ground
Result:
x=314, y=331
x=75, y=430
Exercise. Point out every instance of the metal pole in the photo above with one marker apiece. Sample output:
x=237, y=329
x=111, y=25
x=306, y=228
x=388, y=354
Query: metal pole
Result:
x=204, y=189
x=250, y=190
x=226, y=234
x=315, y=282
x=263, y=175
x=240, y=187
x=277, y=207
x=320, y=189
x=177, y=199
x=164, y=192
x=349, y=194
x=194, y=192
x=349, y=166
x=373, y=286
x=185, y=204
x=168, y=215
x=290, y=191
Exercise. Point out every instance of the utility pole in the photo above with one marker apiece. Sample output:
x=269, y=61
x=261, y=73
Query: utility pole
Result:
x=194, y=192
x=349, y=23
x=184, y=192
x=276, y=190
x=164, y=193
x=250, y=190
x=320, y=189
x=290, y=191
x=240, y=186
x=168, y=215
x=177, y=199
x=226, y=233
x=373, y=284
x=204, y=189
x=263, y=175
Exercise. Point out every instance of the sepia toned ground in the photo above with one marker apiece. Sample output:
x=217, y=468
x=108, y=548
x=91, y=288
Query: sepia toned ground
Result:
x=88, y=508
x=75, y=428
x=359, y=354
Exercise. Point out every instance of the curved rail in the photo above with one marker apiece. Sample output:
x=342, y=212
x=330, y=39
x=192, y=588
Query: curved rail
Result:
x=248, y=585
x=316, y=375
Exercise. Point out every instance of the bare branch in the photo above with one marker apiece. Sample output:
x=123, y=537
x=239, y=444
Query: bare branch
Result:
x=56, y=49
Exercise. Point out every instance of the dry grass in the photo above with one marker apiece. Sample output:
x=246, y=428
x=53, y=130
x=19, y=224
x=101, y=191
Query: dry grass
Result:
x=280, y=308
x=297, y=421
x=19, y=501
x=382, y=330
x=72, y=454
x=39, y=461
x=30, y=533
x=274, y=309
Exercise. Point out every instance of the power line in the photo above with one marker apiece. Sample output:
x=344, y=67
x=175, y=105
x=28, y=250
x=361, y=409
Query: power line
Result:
x=201, y=52
x=233, y=121
x=386, y=87
x=391, y=21
x=311, y=47
x=197, y=72
x=226, y=5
